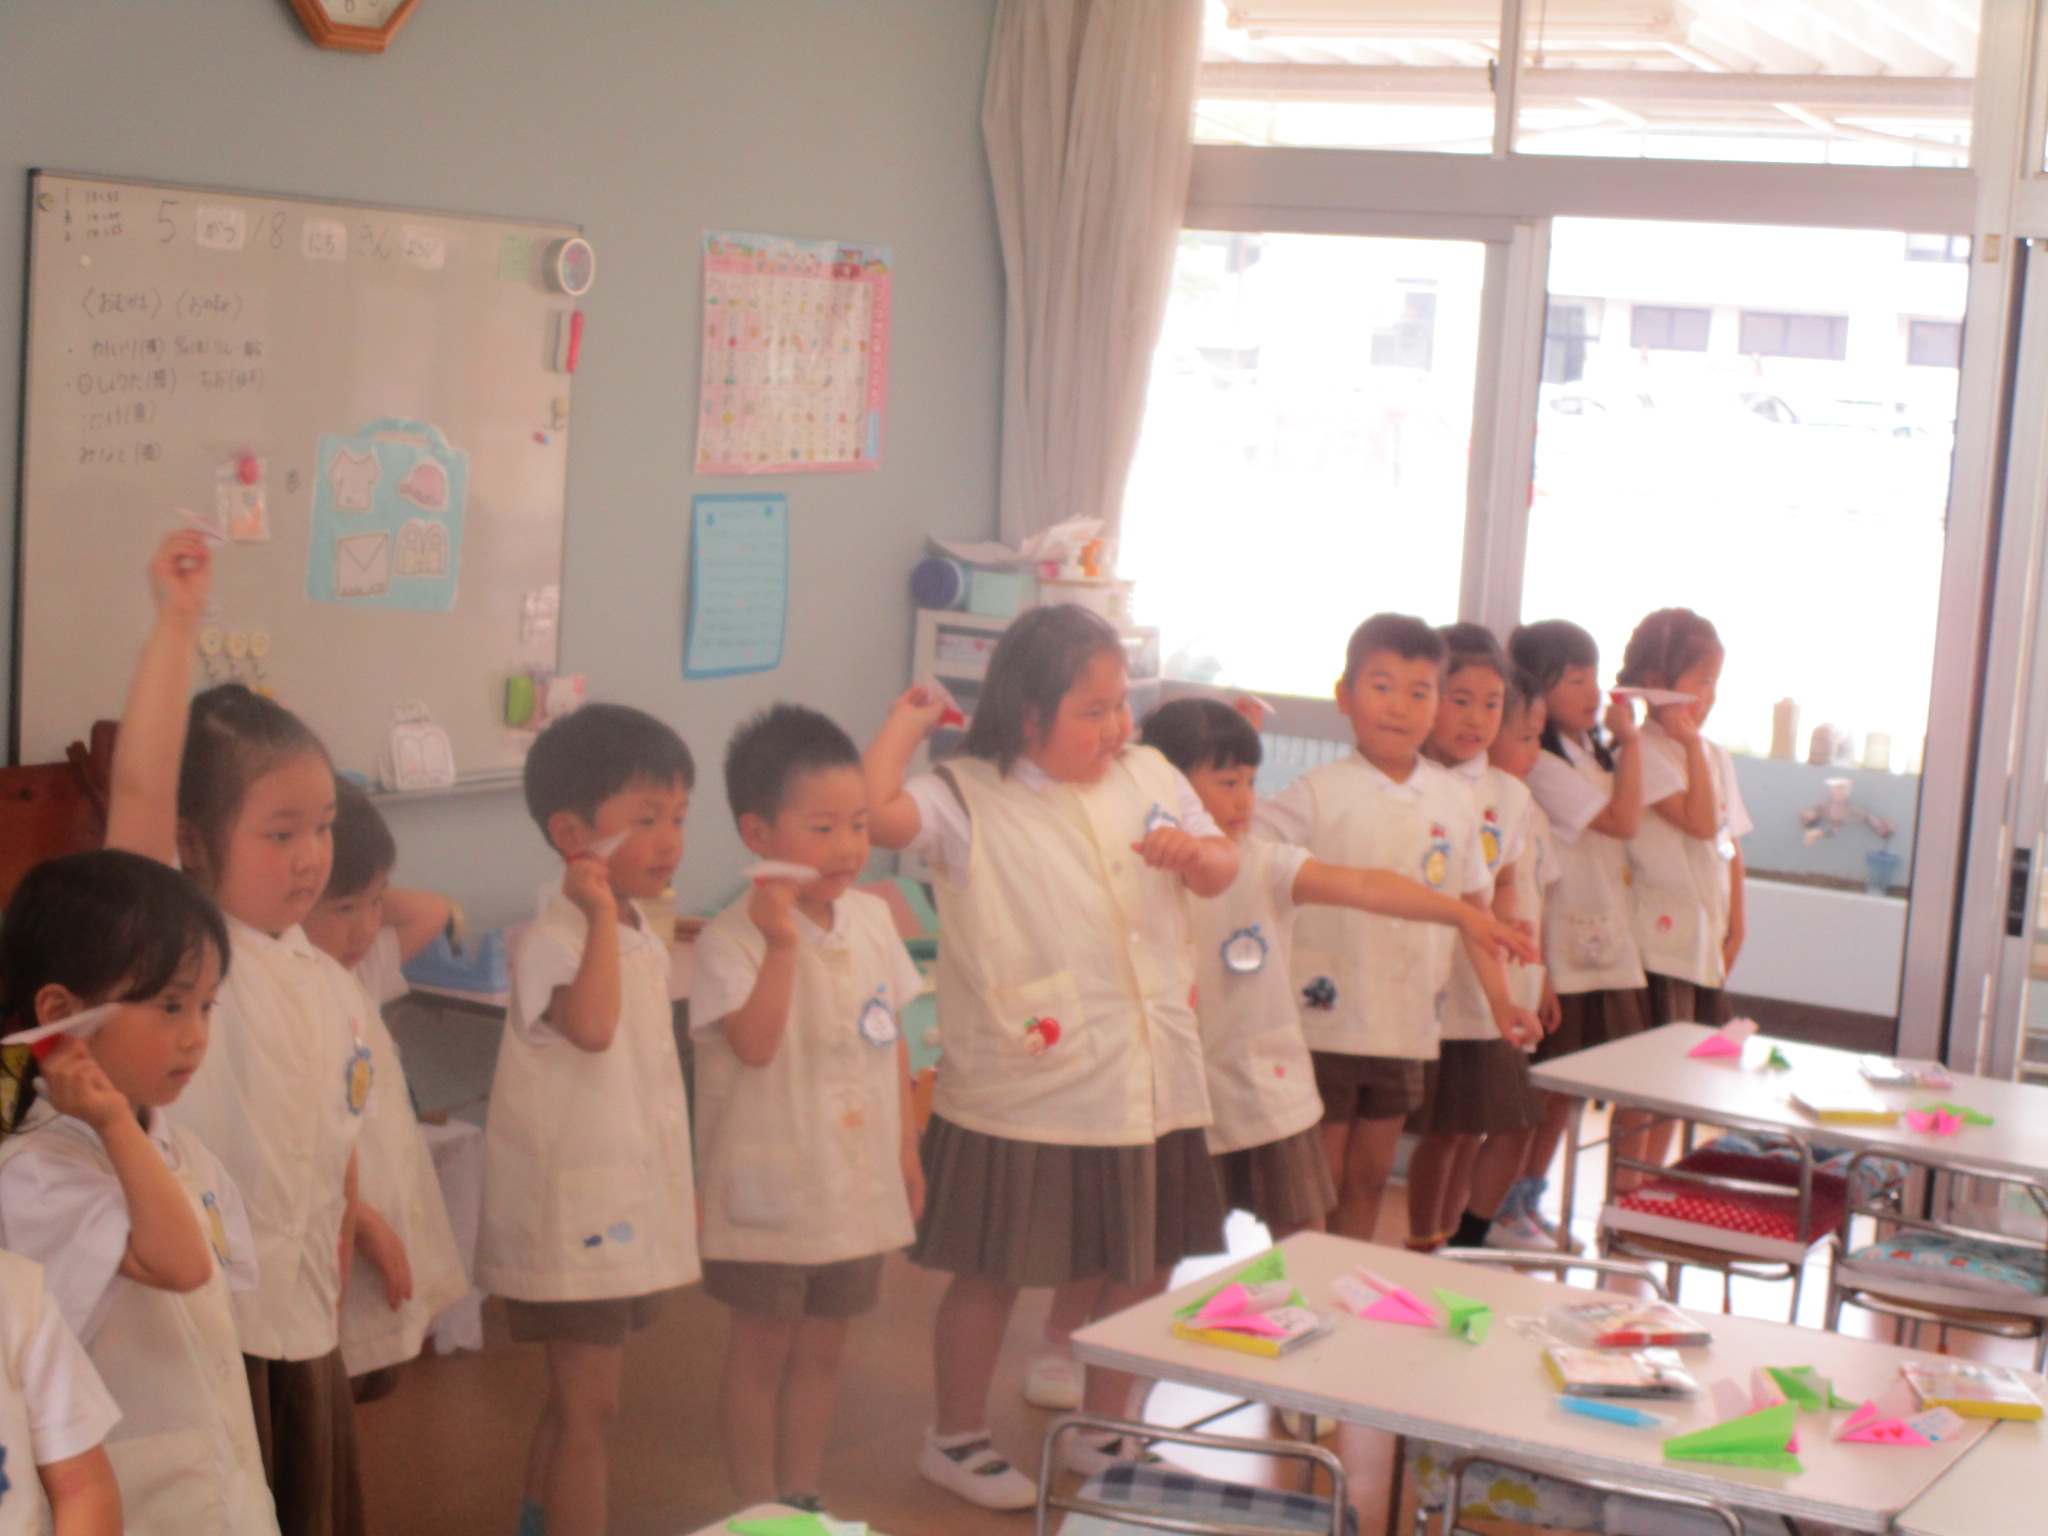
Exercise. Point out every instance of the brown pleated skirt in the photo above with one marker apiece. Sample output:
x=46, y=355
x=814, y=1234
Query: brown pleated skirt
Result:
x=1031, y=1213
x=1477, y=1087
x=1594, y=1018
x=1684, y=1002
x=306, y=1429
x=1285, y=1183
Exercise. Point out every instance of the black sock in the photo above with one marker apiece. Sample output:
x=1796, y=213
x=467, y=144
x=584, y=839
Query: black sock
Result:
x=1472, y=1229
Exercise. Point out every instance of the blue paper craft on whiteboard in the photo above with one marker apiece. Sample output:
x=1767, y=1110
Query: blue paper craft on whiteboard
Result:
x=387, y=518
x=739, y=584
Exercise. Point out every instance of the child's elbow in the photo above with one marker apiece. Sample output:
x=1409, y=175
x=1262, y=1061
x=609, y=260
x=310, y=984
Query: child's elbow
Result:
x=593, y=1039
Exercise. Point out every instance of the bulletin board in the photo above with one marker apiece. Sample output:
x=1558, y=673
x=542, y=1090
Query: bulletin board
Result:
x=366, y=403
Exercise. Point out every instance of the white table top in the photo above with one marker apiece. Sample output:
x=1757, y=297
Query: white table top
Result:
x=1497, y=1396
x=1652, y=1071
x=2001, y=1487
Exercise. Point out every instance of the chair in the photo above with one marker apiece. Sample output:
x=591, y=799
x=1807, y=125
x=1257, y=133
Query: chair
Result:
x=1696, y=1514
x=1961, y=1267
x=1135, y=1496
x=1558, y=1264
x=48, y=809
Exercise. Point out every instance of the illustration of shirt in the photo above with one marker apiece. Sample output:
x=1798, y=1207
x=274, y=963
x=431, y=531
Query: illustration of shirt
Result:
x=355, y=480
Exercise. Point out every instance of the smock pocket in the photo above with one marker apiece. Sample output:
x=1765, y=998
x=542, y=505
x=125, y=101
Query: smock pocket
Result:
x=1041, y=1029
x=1280, y=1067
x=601, y=1214
x=170, y=1484
x=1593, y=940
x=1667, y=925
x=759, y=1186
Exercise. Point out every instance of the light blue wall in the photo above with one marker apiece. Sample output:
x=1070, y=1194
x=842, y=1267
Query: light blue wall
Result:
x=647, y=121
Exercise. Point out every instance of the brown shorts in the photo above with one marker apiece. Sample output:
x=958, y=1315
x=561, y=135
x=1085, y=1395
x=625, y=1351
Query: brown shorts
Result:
x=1366, y=1087
x=787, y=1292
x=1686, y=1002
x=1594, y=1018
x=1475, y=1088
x=582, y=1322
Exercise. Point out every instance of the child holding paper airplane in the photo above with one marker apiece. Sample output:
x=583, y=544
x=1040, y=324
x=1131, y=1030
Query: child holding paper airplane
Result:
x=806, y=1139
x=589, y=1203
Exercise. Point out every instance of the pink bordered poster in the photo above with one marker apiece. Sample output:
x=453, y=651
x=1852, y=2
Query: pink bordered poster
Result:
x=796, y=355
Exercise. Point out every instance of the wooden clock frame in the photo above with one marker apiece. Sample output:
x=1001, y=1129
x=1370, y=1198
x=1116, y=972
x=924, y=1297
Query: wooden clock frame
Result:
x=328, y=33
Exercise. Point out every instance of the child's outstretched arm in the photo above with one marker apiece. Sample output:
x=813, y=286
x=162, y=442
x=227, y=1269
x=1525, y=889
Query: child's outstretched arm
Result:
x=754, y=1030
x=166, y=1249
x=418, y=918
x=1387, y=894
x=893, y=817
x=586, y=1012
x=1206, y=865
x=1623, y=813
x=142, y=805
x=1693, y=810
x=84, y=1499
x=1517, y=1025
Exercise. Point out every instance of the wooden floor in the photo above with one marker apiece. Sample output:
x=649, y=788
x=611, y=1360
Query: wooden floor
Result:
x=445, y=1453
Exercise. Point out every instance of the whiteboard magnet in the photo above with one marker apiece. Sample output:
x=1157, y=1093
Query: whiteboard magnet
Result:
x=259, y=643
x=568, y=339
x=248, y=468
x=238, y=645
x=210, y=642
x=570, y=266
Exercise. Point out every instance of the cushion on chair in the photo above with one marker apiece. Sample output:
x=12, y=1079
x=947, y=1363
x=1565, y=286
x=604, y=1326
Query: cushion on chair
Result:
x=1504, y=1493
x=1668, y=1207
x=1165, y=1489
x=1876, y=1176
x=1967, y=1263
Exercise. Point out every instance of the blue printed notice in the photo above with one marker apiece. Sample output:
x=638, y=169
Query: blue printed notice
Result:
x=739, y=585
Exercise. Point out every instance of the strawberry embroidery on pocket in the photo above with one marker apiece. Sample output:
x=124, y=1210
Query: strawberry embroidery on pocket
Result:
x=1041, y=1035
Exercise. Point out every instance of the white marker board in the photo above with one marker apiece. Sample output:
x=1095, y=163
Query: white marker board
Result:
x=391, y=374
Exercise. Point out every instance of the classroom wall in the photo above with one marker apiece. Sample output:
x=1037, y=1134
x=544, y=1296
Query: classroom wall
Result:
x=648, y=123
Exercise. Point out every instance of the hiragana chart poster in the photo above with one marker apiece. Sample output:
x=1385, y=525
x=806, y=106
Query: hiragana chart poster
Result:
x=796, y=355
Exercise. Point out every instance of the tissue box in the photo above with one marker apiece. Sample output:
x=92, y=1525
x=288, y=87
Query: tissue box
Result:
x=440, y=965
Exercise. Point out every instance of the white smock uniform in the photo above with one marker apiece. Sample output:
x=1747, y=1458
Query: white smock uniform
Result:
x=1065, y=981
x=1535, y=872
x=185, y=1452
x=395, y=1178
x=1368, y=985
x=1262, y=1084
x=587, y=1186
x=1502, y=804
x=1681, y=892
x=801, y=1160
x=1588, y=939
x=280, y=1100
x=52, y=1406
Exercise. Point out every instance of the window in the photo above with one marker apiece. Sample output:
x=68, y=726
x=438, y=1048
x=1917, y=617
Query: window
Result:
x=1568, y=324
x=1409, y=341
x=1822, y=337
x=1937, y=247
x=1934, y=343
x=1666, y=328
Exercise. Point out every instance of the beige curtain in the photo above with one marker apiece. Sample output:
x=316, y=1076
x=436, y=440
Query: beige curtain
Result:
x=1086, y=114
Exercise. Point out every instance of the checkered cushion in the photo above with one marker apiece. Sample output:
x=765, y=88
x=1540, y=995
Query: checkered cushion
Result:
x=1161, y=1488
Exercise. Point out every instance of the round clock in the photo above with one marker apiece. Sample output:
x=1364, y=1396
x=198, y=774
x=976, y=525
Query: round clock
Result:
x=354, y=26
x=570, y=266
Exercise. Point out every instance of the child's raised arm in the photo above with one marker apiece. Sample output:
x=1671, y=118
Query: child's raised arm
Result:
x=1623, y=813
x=893, y=817
x=755, y=1029
x=1693, y=810
x=1387, y=894
x=142, y=805
x=84, y=1498
x=586, y=1012
x=417, y=917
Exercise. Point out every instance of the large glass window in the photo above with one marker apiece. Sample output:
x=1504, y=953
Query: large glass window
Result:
x=1305, y=449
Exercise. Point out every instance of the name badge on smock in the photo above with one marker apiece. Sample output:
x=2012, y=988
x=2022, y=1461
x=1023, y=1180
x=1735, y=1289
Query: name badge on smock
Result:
x=216, y=1228
x=878, y=1021
x=1245, y=951
x=1159, y=816
x=360, y=1074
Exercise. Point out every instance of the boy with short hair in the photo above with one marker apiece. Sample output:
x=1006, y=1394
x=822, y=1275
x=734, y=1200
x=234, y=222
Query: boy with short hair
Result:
x=1369, y=987
x=589, y=1207
x=804, y=1129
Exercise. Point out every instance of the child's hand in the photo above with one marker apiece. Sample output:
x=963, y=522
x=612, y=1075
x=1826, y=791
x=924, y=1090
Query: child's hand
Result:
x=1550, y=1012
x=913, y=1180
x=920, y=706
x=773, y=910
x=1620, y=719
x=1502, y=940
x=181, y=575
x=1170, y=849
x=1254, y=709
x=1678, y=721
x=382, y=1246
x=587, y=882
x=1521, y=1028
x=78, y=1088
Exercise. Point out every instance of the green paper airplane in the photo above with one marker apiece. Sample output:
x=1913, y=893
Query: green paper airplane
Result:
x=1963, y=1112
x=1752, y=1440
x=1777, y=1061
x=780, y=1525
x=1465, y=1317
x=1266, y=1268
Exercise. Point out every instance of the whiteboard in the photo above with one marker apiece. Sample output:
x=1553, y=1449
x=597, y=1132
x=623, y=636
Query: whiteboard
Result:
x=388, y=378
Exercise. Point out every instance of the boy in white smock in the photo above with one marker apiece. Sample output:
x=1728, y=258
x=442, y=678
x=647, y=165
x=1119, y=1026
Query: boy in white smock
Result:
x=805, y=1139
x=589, y=1206
x=1368, y=987
x=53, y=1415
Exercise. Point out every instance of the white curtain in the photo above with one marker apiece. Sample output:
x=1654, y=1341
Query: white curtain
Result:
x=1086, y=114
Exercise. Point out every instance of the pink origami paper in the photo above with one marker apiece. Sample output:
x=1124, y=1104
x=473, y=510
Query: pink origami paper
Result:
x=1890, y=1419
x=1367, y=1295
x=1727, y=1040
x=950, y=712
x=1937, y=1121
x=1233, y=1308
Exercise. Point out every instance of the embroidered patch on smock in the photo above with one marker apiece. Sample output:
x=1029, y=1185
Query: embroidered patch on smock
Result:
x=1245, y=951
x=878, y=1020
x=1436, y=864
x=1489, y=837
x=1041, y=1035
x=1320, y=994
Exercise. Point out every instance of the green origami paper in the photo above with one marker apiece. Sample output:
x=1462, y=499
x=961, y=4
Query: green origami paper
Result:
x=1962, y=1112
x=1777, y=1061
x=1752, y=1440
x=1465, y=1317
x=780, y=1525
x=1266, y=1268
x=1807, y=1388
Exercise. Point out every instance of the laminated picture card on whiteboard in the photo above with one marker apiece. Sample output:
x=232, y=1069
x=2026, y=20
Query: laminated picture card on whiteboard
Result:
x=387, y=518
x=739, y=585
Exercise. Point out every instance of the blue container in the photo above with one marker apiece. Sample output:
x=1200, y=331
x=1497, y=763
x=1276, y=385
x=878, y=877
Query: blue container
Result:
x=937, y=583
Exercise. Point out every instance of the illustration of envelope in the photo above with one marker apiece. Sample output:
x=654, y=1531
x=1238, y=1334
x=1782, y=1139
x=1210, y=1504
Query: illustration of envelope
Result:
x=362, y=565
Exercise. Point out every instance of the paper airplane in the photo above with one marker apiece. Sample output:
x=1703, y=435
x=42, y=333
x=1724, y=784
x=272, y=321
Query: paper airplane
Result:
x=1750, y=1440
x=1727, y=1040
x=1654, y=697
x=1467, y=1318
x=782, y=869
x=82, y=1025
x=1367, y=1295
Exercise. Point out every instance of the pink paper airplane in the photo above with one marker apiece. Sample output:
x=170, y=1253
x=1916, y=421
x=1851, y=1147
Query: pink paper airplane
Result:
x=1939, y=1122
x=1367, y=1295
x=1727, y=1040
x=1233, y=1308
x=951, y=714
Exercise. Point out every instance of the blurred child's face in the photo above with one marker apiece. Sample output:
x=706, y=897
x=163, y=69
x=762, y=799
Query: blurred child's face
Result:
x=1228, y=796
x=150, y=1049
x=1515, y=749
x=651, y=814
x=346, y=926
x=1467, y=715
x=281, y=847
x=823, y=823
x=1091, y=727
x=1701, y=679
x=1574, y=700
x=1391, y=704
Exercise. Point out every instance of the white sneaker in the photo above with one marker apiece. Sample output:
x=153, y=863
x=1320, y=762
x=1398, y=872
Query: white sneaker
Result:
x=1092, y=1457
x=1519, y=1234
x=1053, y=1380
x=1555, y=1236
x=972, y=1469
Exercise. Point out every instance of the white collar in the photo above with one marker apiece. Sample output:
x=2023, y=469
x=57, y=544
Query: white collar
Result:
x=630, y=934
x=292, y=941
x=1473, y=768
x=1409, y=788
x=823, y=938
x=155, y=1125
x=1575, y=754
